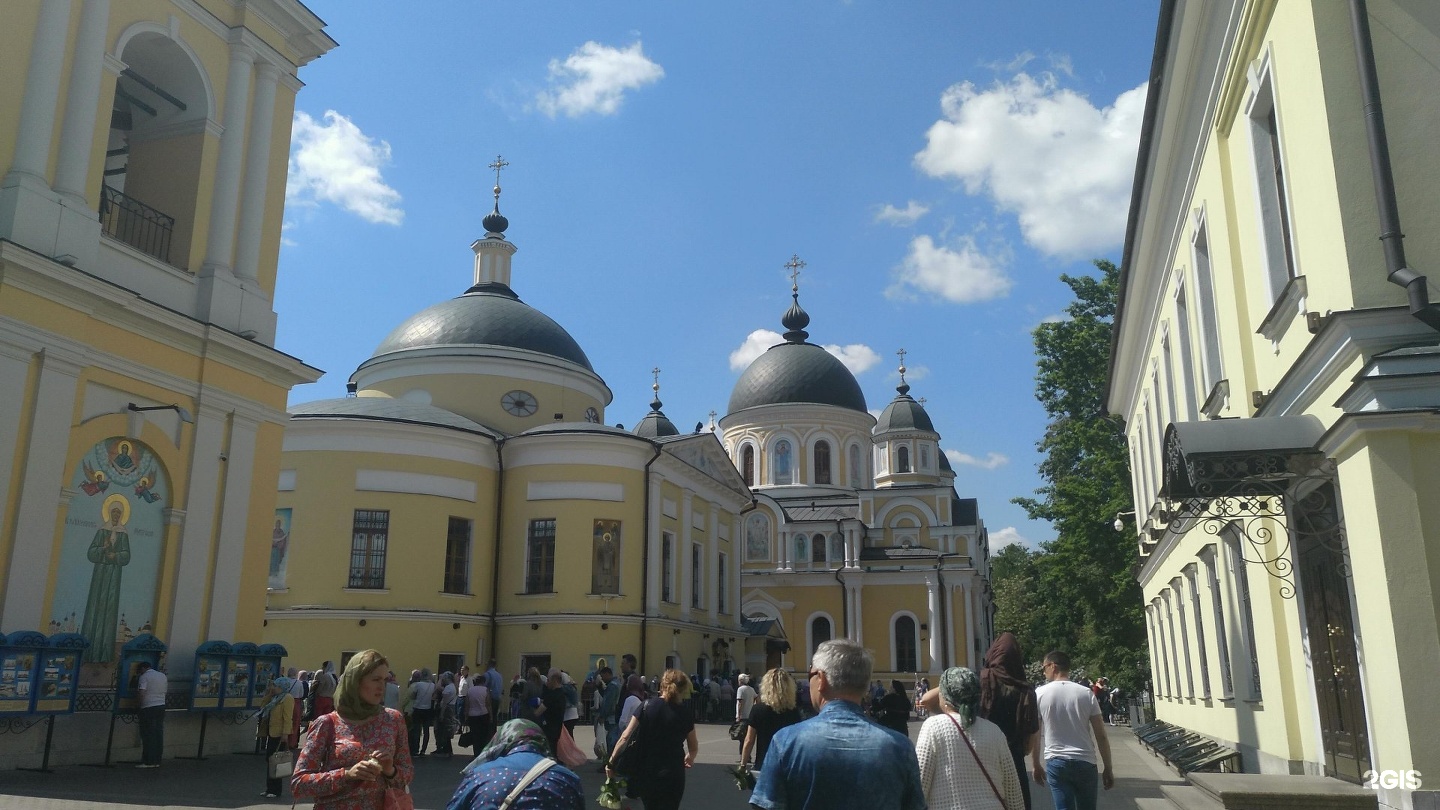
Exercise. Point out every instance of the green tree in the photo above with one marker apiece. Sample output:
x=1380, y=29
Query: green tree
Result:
x=1083, y=583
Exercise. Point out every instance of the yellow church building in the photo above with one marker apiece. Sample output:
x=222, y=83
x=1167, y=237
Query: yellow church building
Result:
x=1277, y=364
x=143, y=150
x=468, y=501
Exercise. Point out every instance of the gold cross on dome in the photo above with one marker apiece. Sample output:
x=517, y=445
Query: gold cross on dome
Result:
x=656, y=373
x=794, y=266
x=902, y=364
x=497, y=165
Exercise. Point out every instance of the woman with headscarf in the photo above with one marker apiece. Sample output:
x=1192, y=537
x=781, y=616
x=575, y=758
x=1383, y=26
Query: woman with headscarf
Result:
x=668, y=744
x=964, y=759
x=277, y=717
x=358, y=752
x=894, y=712
x=632, y=698
x=518, y=747
x=774, y=710
x=445, y=716
x=1007, y=699
x=323, y=688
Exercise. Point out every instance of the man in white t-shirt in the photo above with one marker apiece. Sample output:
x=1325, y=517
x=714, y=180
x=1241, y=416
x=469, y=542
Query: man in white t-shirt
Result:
x=744, y=702
x=1073, y=733
x=151, y=688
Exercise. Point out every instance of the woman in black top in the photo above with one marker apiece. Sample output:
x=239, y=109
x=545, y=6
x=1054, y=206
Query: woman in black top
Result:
x=1007, y=699
x=552, y=719
x=895, y=709
x=774, y=710
x=666, y=729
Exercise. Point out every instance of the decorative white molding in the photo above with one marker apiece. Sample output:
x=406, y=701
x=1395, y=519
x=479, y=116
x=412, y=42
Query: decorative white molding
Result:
x=415, y=484
x=1289, y=307
x=574, y=491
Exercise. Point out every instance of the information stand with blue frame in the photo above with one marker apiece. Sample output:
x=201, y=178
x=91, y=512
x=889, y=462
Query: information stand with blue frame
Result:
x=267, y=669
x=240, y=677
x=39, y=676
x=205, y=688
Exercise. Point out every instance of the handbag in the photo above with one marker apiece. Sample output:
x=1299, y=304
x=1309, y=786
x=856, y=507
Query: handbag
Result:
x=976, y=755
x=569, y=754
x=737, y=730
x=627, y=763
x=279, y=765
x=530, y=776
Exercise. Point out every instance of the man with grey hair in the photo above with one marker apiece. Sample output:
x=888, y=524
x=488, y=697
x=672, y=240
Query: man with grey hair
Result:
x=838, y=758
x=744, y=702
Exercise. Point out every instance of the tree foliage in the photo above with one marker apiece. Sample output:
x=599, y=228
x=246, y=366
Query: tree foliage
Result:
x=1078, y=593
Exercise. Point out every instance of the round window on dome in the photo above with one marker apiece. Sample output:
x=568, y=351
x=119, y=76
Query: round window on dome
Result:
x=519, y=403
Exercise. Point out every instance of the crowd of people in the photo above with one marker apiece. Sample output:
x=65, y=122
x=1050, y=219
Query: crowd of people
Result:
x=834, y=738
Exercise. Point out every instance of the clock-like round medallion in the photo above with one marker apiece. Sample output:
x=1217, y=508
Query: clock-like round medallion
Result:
x=592, y=416
x=519, y=403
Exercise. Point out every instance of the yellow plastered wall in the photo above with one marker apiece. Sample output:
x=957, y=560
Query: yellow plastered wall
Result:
x=16, y=42
x=879, y=606
x=477, y=397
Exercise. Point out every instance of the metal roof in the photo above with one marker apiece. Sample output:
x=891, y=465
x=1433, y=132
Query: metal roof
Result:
x=797, y=373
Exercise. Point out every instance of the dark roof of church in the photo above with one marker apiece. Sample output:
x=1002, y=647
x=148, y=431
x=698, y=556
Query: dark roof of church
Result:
x=385, y=409
x=904, y=413
x=485, y=315
x=655, y=423
x=814, y=512
x=801, y=373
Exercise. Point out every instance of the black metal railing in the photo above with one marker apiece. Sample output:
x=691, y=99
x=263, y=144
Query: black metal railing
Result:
x=135, y=223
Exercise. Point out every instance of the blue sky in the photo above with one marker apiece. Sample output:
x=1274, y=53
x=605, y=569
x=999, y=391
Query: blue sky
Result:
x=936, y=165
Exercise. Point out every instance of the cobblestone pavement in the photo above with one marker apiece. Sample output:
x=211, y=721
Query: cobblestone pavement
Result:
x=237, y=780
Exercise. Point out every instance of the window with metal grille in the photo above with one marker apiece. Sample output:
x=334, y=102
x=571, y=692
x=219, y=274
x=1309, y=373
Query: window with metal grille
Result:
x=697, y=575
x=368, y=542
x=747, y=464
x=720, y=582
x=457, y=556
x=907, y=645
x=667, y=567
x=540, y=557
x=822, y=462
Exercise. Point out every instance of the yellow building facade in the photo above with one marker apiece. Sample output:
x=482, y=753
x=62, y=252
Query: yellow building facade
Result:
x=143, y=147
x=1278, y=368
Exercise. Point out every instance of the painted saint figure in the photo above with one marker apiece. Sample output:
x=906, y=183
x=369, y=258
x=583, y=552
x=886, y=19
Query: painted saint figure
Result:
x=279, y=539
x=109, y=552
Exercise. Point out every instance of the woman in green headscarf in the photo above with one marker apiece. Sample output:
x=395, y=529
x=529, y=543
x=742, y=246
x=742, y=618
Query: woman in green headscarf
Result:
x=964, y=759
x=517, y=748
x=359, y=751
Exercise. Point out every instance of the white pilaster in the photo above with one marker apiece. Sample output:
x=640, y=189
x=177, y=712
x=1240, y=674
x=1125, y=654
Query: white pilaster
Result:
x=188, y=609
x=43, y=479
x=932, y=590
x=230, y=551
x=82, y=103
x=947, y=604
x=14, y=371
x=737, y=541
x=782, y=554
x=28, y=208
x=652, y=546
x=857, y=609
x=220, y=247
x=492, y=259
x=712, y=567
x=684, y=554
x=257, y=171
x=971, y=600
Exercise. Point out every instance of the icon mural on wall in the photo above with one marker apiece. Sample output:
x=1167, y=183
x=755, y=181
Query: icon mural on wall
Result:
x=604, y=564
x=110, y=552
x=279, y=548
x=757, y=538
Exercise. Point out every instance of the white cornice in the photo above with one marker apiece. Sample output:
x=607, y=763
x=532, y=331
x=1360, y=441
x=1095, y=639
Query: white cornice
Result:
x=477, y=361
x=1351, y=427
x=603, y=449
x=770, y=417
x=374, y=436
x=324, y=613
x=682, y=474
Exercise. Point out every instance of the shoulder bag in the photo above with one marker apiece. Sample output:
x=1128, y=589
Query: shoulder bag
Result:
x=976, y=755
x=534, y=773
x=629, y=760
x=279, y=765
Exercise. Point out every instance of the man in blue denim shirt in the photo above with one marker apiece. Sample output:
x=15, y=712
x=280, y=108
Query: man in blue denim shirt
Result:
x=839, y=758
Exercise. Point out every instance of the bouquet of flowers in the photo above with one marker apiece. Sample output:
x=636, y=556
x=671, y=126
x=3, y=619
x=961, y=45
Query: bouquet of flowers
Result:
x=611, y=793
x=744, y=779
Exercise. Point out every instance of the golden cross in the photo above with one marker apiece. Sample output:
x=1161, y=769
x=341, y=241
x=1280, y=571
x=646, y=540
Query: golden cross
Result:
x=902, y=364
x=794, y=266
x=656, y=386
x=499, y=164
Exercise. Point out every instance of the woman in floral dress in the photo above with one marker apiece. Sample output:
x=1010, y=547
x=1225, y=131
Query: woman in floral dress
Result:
x=356, y=753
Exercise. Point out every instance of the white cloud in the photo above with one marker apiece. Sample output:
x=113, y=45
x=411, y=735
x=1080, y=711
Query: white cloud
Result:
x=990, y=462
x=594, y=79
x=755, y=345
x=335, y=162
x=901, y=217
x=960, y=272
x=1007, y=536
x=912, y=373
x=285, y=228
x=857, y=357
x=1045, y=153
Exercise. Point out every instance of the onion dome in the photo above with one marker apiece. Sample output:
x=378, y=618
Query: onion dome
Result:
x=655, y=424
x=904, y=413
x=796, y=372
x=488, y=314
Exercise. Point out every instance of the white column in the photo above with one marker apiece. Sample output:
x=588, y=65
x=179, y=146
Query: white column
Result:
x=858, y=609
x=782, y=554
x=14, y=371
x=947, y=604
x=43, y=479
x=684, y=554
x=712, y=569
x=932, y=588
x=196, y=538
x=971, y=602
x=652, y=546
x=82, y=102
x=257, y=171
x=736, y=550
x=230, y=551
x=42, y=91
x=224, y=202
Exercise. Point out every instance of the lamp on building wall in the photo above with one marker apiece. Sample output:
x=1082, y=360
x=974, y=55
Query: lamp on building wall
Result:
x=1120, y=520
x=184, y=415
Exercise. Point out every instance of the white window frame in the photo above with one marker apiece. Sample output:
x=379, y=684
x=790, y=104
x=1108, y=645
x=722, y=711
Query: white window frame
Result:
x=1209, y=556
x=667, y=571
x=810, y=641
x=1185, y=346
x=895, y=648
x=1179, y=606
x=1191, y=572
x=1273, y=204
x=1212, y=363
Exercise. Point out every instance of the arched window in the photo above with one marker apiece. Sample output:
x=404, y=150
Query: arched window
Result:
x=817, y=549
x=820, y=632
x=837, y=549
x=902, y=460
x=822, y=462
x=802, y=548
x=747, y=464
x=907, y=645
x=855, y=466
x=783, y=469
x=924, y=456
x=757, y=537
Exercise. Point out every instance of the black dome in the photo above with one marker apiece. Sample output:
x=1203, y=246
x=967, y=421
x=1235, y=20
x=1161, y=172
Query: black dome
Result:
x=904, y=413
x=798, y=373
x=486, y=315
